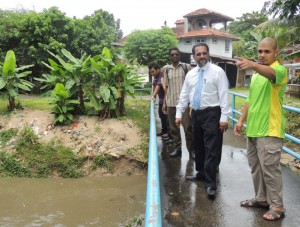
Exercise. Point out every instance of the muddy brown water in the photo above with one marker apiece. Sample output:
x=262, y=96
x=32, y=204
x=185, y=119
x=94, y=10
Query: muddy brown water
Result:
x=89, y=201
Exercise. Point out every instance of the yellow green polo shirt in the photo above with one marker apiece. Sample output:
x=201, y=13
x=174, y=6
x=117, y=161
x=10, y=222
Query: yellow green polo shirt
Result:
x=265, y=114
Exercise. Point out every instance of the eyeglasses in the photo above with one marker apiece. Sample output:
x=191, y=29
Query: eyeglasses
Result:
x=201, y=53
x=174, y=55
x=264, y=51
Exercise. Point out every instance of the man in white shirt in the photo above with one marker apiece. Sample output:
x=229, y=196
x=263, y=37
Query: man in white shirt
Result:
x=210, y=111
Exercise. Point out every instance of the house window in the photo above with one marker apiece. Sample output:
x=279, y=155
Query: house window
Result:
x=200, y=40
x=227, y=45
x=188, y=42
x=214, y=40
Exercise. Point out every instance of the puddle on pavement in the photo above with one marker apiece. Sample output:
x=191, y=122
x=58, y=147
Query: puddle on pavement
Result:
x=97, y=201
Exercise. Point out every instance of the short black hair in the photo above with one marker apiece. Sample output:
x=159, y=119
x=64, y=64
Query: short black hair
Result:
x=200, y=45
x=153, y=65
x=173, y=48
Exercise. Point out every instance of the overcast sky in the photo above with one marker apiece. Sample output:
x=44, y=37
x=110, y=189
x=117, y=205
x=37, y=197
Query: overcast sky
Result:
x=139, y=14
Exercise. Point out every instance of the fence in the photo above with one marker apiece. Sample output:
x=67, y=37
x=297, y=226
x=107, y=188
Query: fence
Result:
x=287, y=136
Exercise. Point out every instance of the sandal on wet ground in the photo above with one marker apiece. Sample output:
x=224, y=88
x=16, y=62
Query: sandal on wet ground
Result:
x=274, y=215
x=254, y=203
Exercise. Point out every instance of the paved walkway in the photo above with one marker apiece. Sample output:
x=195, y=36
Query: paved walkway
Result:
x=185, y=203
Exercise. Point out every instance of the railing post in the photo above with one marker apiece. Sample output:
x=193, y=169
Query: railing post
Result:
x=233, y=108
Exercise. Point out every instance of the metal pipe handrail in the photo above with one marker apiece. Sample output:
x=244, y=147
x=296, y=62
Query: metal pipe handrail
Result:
x=153, y=216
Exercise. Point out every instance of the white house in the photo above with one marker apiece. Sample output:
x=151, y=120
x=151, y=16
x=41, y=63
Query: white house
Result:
x=200, y=26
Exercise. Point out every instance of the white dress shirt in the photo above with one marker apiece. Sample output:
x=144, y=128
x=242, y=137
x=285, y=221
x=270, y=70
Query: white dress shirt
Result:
x=214, y=91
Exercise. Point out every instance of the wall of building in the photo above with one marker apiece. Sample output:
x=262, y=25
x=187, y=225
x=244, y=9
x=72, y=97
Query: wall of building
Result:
x=217, y=48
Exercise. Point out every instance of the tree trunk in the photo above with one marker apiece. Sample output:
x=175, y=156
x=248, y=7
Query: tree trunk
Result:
x=11, y=103
x=121, y=104
x=81, y=100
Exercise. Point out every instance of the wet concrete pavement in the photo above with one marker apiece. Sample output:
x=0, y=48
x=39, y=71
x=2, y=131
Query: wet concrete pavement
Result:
x=185, y=203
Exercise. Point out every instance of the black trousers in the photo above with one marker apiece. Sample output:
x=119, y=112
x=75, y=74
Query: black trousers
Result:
x=163, y=119
x=208, y=140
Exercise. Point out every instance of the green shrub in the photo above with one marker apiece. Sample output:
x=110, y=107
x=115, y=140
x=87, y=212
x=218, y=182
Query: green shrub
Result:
x=6, y=135
x=104, y=161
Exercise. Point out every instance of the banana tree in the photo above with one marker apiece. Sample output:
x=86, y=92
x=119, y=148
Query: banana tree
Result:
x=73, y=73
x=284, y=33
x=11, y=80
x=63, y=106
x=109, y=84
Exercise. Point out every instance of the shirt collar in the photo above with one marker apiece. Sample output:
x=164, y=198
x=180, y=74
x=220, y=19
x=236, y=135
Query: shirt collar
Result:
x=204, y=67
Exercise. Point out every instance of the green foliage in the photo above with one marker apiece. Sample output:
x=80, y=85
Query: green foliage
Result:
x=135, y=221
x=110, y=84
x=94, y=32
x=293, y=123
x=285, y=9
x=12, y=167
x=11, y=80
x=72, y=73
x=242, y=28
x=63, y=106
x=97, y=79
x=35, y=159
x=138, y=220
x=150, y=45
x=252, y=28
x=6, y=135
x=10, y=28
x=31, y=35
x=285, y=32
x=104, y=161
x=282, y=34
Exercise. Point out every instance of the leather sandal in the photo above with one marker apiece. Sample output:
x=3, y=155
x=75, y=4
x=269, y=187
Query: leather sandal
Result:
x=255, y=203
x=274, y=215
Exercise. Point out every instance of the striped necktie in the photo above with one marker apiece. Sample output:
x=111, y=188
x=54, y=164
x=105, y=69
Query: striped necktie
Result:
x=198, y=90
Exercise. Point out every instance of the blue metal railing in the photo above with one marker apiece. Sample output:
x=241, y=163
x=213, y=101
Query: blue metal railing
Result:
x=153, y=207
x=287, y=136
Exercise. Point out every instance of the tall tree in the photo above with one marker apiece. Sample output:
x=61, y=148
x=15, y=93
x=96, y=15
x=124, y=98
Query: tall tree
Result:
x=50, y=30
x=10, y=26
x=242, y=28
x=286, y=32
x=150, y=45
x=95, y=32
x=285, y=9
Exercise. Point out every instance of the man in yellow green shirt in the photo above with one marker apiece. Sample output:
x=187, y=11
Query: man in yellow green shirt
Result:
x=265, y=119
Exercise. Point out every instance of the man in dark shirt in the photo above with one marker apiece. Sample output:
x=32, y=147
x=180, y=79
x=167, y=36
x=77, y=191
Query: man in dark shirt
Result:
x=154, y=70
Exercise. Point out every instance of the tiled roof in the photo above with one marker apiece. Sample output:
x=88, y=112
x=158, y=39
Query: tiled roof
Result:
x=178, y=31
x=210, y=13
x=207, y=32
x=180, y=21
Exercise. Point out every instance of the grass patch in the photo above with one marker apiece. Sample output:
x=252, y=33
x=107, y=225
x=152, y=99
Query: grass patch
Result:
x=7, y=135
x=35, y=159
x=28, y=101
x=139, y=112
x=103, y=161
x=38, y=104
